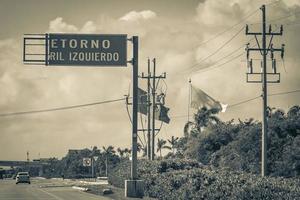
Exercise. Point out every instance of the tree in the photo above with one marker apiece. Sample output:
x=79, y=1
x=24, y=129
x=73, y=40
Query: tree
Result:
x=161, y=144
x=142, y=148
x=108, y=151
x=203, y=118
x=173, y=141
x=121, y=152
x=127, y=152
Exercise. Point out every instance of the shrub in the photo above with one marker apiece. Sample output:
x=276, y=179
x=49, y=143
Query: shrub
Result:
x=187, y=179
x=119, y=174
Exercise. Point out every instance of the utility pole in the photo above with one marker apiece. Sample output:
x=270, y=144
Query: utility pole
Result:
x=153, y=109
x=264, y=50
x=27, y=158
x=92, y=162
x=148, y=77
x=151, y=93
x=154, y=104
x=148, y=113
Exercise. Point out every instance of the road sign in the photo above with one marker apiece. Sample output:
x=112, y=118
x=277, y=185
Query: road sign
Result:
x=95, y=158
x=86, y=49
x=86, y=162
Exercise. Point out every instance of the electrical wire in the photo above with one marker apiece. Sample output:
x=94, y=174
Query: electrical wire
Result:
x=242, y=102
x=282, y=93
x=228, y=29
x=278, y=19
x=142, y=124
x=215, y=65
x=246, y=101
x=161, y=124
x=220, y=65
x=60, y=108
x=191, y=68
x=165, y=92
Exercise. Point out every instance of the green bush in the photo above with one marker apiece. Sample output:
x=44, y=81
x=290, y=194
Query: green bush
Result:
x=187, y=179
x=119, y=174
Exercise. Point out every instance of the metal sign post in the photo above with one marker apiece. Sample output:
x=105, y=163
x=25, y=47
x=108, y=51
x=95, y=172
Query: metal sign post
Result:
x=134, y=187
x=134, y=107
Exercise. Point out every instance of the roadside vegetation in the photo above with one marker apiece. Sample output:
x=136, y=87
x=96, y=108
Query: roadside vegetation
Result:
x=212, y=160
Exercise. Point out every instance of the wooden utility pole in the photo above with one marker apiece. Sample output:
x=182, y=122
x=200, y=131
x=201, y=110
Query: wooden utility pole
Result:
x=151, y=90
x=264, y=50
x=148, y=112
x=153, y=109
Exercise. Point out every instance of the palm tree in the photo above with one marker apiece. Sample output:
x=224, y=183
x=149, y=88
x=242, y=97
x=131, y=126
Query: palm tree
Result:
x=203, y=118
x=142, y=148
x=121, y=152
x=161, y=144
x=127, y=152
x=247, y=122
x=173, y=141
x=108, y=151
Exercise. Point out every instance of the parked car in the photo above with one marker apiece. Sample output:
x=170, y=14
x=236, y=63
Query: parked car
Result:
x=23, y=177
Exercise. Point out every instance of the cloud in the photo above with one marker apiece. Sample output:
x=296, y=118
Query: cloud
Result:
x=58, y=25
x=291, y=3
x=212, y=12
x=136, y=16
x=89, y=27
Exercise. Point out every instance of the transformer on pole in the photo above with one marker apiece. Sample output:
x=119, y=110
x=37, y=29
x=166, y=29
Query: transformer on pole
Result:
x=264, y=50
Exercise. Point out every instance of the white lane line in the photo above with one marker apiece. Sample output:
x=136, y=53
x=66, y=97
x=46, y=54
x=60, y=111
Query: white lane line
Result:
x=52, y=195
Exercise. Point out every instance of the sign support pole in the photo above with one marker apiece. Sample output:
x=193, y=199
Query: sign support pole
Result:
x=134, y=108
x=133, y=187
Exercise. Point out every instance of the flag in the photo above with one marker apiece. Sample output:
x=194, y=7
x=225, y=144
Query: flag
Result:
x=142, y=100
x=200, y=99
x=161, y=113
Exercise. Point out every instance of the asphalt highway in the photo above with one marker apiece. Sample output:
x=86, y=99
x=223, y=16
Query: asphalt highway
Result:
x=42, y=189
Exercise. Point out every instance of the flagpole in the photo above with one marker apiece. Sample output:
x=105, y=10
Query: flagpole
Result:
x=189, y=101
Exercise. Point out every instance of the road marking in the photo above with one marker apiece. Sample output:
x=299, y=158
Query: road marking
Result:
x=52, y=195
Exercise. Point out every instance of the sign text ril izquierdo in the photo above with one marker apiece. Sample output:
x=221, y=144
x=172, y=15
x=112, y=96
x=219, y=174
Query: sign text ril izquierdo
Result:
x=86, y=50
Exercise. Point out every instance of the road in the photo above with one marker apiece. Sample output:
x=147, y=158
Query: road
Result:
x=42, y=190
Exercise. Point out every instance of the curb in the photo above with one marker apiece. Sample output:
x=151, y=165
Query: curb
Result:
x=80, y=188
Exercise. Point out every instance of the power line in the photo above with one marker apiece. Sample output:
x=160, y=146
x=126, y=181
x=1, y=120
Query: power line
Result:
x=228, y=29
x=234, y=25
x=197, y=64
x=121, y=99
x=247, y=100
x=220, y=65
x=282, y=93
x=215, y=52
x=279, y=18
x=214, y=66
x=242, y=102
x=60, y=108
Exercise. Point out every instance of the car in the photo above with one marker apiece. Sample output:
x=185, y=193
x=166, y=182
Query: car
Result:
x=23, y=177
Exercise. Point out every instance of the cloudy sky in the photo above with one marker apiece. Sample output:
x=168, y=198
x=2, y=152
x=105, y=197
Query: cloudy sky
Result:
x=184, y=37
